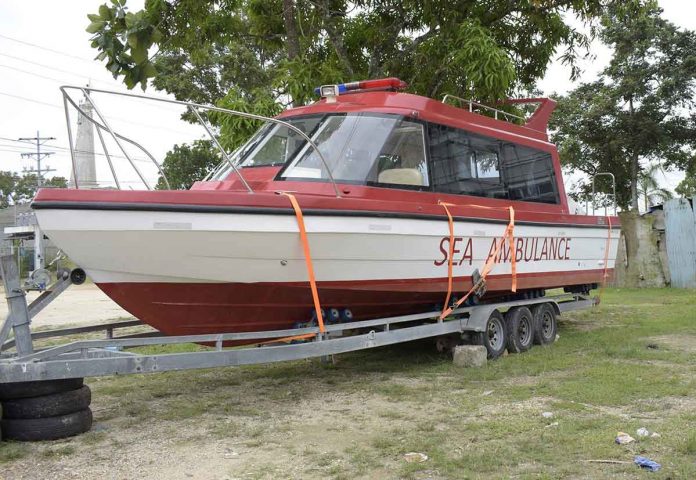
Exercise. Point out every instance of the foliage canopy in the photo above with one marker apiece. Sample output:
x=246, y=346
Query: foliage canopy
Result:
x=639, y=110
x=23, y=188
x=261, y=56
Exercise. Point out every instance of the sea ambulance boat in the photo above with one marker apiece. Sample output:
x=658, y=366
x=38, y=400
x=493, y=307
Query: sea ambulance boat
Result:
x=406, y=203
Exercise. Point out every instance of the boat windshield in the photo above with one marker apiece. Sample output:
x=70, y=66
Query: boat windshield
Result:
x=271, y=146
x=358, y=148
x=365, y=149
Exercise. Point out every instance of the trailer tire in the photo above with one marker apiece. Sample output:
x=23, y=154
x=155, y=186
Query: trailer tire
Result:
x=15, y=390
x=494, y=338
x=52, y=405
x=546, y=324
x=520, y=325
x=48, y=428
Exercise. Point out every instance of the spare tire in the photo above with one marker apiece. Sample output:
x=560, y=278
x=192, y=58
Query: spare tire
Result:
x=11, y=391
x=48, y=405
x=49, y=428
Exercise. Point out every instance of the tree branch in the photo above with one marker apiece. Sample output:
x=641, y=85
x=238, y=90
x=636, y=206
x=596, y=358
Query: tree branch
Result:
x=293, y=41
x=335, y=33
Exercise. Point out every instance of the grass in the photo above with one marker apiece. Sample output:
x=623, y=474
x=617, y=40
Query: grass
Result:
x=627, y=364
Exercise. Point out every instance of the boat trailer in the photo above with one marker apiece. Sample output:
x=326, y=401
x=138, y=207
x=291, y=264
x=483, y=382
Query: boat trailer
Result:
x=109, y=356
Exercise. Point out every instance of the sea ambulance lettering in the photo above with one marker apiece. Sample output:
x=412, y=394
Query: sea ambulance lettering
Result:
x=526, y=249
x=532, y=249
x=466, y=255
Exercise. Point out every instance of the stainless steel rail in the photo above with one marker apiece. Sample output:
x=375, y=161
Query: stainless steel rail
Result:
x=472, y=104
x=612, y=195
x=193, y=107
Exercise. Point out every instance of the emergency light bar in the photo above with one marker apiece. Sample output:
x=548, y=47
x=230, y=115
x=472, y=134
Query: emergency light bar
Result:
x=391, y=83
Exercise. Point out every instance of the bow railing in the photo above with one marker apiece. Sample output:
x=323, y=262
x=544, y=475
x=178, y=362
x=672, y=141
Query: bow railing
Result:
x=103, y=126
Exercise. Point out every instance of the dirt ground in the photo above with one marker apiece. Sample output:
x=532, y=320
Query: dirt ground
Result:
x=623, y=366
x=78, y=305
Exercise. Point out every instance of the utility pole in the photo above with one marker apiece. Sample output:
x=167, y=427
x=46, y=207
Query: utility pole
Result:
x=38, y=155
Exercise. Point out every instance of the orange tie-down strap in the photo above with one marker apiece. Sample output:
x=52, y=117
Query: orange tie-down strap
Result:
x=490, y=262
x=308, y=262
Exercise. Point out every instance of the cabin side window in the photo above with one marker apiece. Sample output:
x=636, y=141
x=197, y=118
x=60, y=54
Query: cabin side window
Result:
x=465, y=163
x=529, y=174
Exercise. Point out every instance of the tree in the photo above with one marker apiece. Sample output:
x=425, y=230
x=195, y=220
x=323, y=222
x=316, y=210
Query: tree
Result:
x=687, y=187
x=7, y=186
x=187, y=163
x=649, y=187
x=24, y=188
x=637, y=112
x=262, y=56
x=247, y=49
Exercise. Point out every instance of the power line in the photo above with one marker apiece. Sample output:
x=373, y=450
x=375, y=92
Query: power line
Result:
x=66, y=149
x=109, y=117
x=33, y=74
x=12, y=140
x=31, y=100
x=47, y=66
x=45, y=48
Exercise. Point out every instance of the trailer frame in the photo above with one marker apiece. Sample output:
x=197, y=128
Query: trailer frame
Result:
x=109, y=356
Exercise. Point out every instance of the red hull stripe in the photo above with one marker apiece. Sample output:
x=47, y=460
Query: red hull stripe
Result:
x=189, y=308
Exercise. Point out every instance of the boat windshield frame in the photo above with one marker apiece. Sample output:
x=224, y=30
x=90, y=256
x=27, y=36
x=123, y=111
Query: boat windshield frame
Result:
x=403, y=139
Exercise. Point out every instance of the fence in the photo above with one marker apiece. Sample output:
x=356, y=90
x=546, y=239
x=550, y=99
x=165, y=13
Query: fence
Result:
x=680, y=230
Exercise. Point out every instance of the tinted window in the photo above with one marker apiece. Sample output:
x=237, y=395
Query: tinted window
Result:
x=529, y=174
x=465, y=164
x=469, y=164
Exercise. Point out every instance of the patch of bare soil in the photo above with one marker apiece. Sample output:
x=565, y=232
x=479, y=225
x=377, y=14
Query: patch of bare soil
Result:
x=684, y=342
x=78, y=305
x=321, y=430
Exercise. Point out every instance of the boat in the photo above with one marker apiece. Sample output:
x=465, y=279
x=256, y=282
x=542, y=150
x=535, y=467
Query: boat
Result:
x=379, y=177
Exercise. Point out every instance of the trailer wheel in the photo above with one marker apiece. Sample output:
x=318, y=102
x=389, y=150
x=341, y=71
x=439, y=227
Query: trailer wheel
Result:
x=494, y=337
x=14, y=390
x=48, y=405
x=545, y=324
x=520, y=323
x=49, y=428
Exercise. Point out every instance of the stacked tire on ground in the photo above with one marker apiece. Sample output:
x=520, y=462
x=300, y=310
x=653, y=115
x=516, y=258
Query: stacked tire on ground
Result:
x=45, y=410
x=519, y=329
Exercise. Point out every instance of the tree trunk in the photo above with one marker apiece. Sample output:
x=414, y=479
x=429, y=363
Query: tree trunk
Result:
x=635, y=167
x=293, y=41
x=335, y=33
x=634, y=182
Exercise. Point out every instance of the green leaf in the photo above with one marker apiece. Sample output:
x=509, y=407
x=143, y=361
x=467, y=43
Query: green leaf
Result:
x=156, y=35
x=105, y=12
x=133, y=40
x=149, y=70
x=130, y=20
x=129, y=81
x=94, y=27
x=139, y=54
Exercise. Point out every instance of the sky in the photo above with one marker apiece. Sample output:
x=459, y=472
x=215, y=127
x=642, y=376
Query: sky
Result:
x=43, y=45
